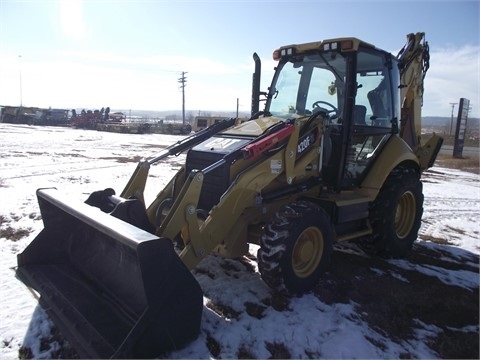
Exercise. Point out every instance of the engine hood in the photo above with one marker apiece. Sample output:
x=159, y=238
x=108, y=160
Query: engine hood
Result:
x=255, y=127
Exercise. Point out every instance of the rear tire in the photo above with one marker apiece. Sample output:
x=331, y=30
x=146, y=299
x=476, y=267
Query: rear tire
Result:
x=396, y=214
x=296, y=247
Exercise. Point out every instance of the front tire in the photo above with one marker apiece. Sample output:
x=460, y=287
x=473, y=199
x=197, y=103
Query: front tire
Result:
x=396, y=214
x=296, y=247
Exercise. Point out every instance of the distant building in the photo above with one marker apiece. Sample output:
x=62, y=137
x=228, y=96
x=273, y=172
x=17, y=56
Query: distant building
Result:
x=202, y=122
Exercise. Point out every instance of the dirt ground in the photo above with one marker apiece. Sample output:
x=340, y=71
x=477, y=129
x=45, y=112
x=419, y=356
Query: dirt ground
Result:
x=393, y=304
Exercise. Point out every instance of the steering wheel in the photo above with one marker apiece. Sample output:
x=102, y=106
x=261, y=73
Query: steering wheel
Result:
x=317, y=107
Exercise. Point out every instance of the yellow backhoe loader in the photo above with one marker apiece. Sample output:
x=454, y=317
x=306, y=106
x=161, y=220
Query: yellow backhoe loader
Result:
x=335, y=155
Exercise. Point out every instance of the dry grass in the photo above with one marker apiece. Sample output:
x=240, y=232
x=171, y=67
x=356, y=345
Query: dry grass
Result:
x=469, y=164
x=10, y=233
x=278, y=350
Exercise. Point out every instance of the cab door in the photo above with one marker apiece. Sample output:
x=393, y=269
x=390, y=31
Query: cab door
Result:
x=374, y=113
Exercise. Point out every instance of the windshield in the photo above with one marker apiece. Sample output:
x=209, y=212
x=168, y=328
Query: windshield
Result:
x=308, y=84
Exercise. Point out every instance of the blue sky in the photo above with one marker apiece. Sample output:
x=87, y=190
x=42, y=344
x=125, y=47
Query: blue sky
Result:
x=129, y=54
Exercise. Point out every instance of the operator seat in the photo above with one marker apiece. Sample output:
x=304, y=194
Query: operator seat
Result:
x=379, y=112
x=359, y=115
x=333, y=140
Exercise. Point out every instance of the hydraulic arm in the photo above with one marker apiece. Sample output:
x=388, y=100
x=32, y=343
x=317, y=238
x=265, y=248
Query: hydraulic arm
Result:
x=414, y=61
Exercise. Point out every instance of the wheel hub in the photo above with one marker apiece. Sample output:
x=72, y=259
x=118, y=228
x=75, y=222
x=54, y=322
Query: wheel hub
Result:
x=405, y=214
x=307, y=252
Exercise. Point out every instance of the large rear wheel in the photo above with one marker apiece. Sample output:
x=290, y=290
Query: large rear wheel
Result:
x=296, y=247
x=396, y=214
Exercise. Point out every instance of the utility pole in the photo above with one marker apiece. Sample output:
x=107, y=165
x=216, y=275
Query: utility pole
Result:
x=451, y=121
x=182, y=81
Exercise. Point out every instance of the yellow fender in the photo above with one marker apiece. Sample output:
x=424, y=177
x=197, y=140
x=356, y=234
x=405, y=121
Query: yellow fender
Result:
x=396, y=151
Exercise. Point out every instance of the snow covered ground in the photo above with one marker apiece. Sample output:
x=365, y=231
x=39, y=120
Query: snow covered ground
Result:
x=355, y=312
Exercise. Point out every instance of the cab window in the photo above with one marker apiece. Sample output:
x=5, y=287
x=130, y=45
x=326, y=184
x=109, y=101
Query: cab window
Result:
x=373, y=91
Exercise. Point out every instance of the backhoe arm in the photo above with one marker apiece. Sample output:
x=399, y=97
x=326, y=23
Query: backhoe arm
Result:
x=414, y=62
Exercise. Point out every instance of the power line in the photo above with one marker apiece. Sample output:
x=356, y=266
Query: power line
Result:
x=182, y=81
x=451, y=121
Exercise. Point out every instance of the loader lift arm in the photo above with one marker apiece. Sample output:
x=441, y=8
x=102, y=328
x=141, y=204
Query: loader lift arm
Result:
x=136, y=185
x=225, y=220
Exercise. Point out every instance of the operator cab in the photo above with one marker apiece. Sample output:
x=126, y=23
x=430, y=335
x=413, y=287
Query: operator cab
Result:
x=354, y=87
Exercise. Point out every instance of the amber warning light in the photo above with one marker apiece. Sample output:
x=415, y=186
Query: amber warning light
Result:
x=276, y=55
x=347, y=45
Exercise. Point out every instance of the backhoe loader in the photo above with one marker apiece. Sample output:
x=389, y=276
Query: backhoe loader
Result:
x=335, y=155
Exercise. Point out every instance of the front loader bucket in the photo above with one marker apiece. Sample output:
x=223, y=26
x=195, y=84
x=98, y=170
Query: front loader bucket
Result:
x=111, y=288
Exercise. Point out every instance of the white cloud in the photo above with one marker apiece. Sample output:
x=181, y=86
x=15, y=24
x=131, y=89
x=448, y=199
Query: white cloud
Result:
x=454, y=73
x=151, y=82
x=173, y=63
x=147, y=83
x=71, y=19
